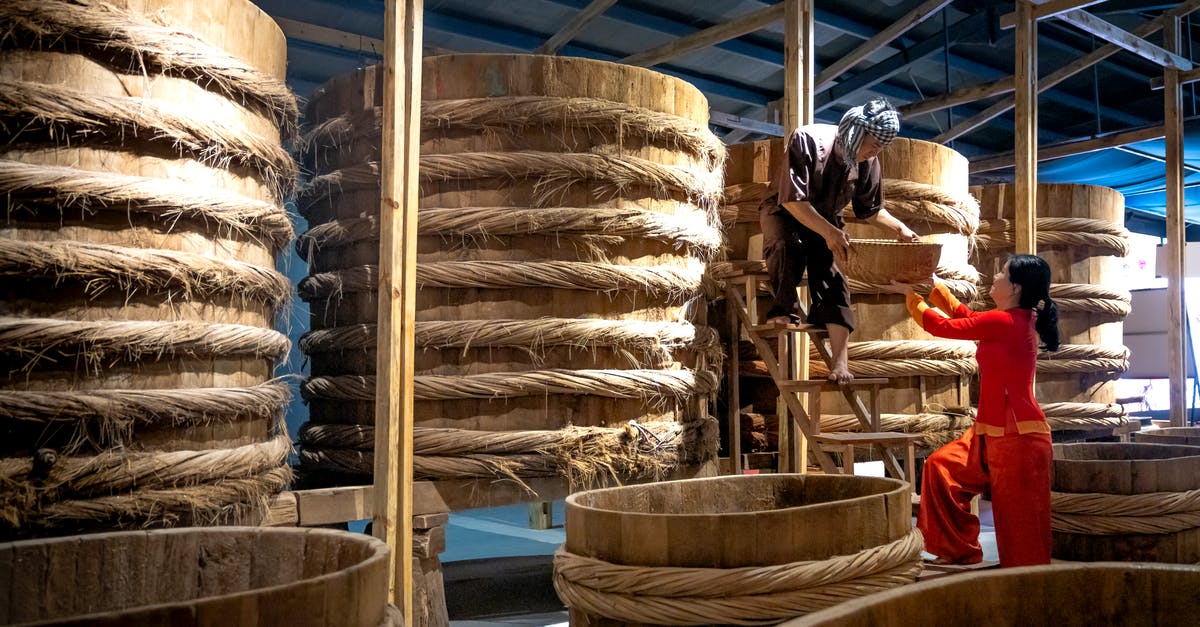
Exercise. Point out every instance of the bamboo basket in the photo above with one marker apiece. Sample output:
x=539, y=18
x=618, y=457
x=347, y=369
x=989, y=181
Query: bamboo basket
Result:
x=233, y=576
x=566, y=215
x=143, y=177
x=882, y=261
x=696, y=552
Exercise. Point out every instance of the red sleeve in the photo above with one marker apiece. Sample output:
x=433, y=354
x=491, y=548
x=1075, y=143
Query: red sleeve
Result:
x=971, y=325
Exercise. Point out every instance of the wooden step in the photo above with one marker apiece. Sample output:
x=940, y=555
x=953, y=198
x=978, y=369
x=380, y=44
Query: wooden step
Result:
x=855, y=437
x=771, y=329
x=810, y=385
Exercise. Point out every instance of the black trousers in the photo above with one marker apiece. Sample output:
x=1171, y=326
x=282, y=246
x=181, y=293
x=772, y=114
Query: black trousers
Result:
x=790, y=249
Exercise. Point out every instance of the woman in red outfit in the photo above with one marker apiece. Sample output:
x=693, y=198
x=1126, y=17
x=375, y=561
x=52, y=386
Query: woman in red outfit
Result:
x=1008, y=448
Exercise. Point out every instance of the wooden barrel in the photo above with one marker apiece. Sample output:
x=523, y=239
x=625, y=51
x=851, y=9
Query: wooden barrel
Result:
x=1081, y=235
x=564, y=227
x=1055, y=595
x=142, y=177
x=1189, y=436
x=1126, y=502
x=227, y=576
x=925, y=185
x=733, y=549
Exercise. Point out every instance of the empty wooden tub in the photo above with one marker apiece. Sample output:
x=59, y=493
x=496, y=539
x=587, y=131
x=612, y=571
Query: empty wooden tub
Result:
x=1126, y=502
x=1189, y=436
x=219, y=576
x=733, y=549
x=1062, y=595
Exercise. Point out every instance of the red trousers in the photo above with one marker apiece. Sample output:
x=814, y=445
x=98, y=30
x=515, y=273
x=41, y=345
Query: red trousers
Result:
x=1017, y=467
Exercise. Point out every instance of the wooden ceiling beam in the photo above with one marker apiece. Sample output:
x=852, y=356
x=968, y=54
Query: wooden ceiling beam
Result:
x=1047, y=10
x=573, y=27
x=1124, y=39
x=1067, y=149
x=926, y=10
x=732, y=29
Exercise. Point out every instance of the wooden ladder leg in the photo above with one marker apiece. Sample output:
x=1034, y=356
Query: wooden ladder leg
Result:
x=848, y=459
x=910, y=465
x=734, y=400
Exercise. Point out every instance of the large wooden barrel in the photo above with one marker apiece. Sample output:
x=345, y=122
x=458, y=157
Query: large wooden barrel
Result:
x=1189, y=436
x=1057, y=595
x=733, y=549
x=1081, y=234
x=564, y=226
x=222, y=576
x=925, y=185
x=1127, y=502
x=142, y=178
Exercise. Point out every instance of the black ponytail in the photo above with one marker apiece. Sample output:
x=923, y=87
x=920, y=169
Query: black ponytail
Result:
x=1032, y=274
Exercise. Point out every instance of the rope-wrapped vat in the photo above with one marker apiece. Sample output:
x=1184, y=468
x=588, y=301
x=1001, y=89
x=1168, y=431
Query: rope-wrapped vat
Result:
x=221, y=576
x=693, y=552
x=143, y=177
x=925, y=185
x=1189, y=436
x=1128, y=502
x=565, y=222
x=1081, y=234
x=1054, y=595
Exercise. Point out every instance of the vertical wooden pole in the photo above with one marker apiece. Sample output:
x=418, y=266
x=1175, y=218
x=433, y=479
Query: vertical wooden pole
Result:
x=799, y=66
x=1176, y=238
x=392, y=518
x=1025, y=77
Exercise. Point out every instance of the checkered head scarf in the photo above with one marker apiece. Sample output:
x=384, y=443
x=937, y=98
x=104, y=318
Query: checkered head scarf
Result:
x=877, y=117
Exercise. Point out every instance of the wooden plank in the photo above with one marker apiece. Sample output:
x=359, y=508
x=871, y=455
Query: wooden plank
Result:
x=392, y=518
x=1175, y=225
x=1047, y=10
x=340, y=39
x=573, y=27
x=1025, y=140
x=1061, y=74
x=1185, y=78
x=727, y=120
x=926, y=10
x=1066, y=149
x=957, y=97
x=733, y=389
x=1091, y=24
x=732, y=29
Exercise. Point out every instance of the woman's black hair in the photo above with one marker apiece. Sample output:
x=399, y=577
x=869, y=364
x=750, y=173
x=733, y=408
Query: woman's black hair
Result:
x=1032, y=273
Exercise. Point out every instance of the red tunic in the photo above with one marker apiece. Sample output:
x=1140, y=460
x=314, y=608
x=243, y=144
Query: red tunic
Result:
x=1007, y=355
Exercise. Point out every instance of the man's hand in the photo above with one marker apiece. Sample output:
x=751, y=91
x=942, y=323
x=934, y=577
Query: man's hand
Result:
x=905, y=234
x=838, y=243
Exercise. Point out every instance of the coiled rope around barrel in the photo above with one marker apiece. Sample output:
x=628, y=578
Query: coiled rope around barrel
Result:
x=689, y=228
x=1114, y=514
x=1079, y=297
x=167, y=199
x=1107, y=237
x=153, y=46
x=757, y=595
x=656, y=386
x=515, y=114
x=904, y=358
x=1084, y=358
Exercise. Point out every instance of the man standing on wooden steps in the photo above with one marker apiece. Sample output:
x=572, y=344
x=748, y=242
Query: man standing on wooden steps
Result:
x=825, y=167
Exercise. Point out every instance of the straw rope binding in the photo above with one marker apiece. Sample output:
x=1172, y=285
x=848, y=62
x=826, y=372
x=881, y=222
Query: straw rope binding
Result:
x=670, y=282
x=1080, y=297
x=515, y=114
x=1106, y=236
x=67, y=114
x=101, y=267
x=1089, y=358
x=168, y=199
x=586, y=456
x=752, y=595
x=153, y=47
x=692, y=228
x=1098, y=514
x=656, y=386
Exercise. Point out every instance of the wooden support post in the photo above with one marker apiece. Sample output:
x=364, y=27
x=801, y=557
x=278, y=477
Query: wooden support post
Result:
x=733, y=396
x=397, y=294
x=541, y=514
x=1176, y=241
x=798, y=64
x=1025, y=79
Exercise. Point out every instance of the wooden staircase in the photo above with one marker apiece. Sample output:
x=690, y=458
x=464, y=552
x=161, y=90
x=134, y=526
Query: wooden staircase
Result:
x=800, y=421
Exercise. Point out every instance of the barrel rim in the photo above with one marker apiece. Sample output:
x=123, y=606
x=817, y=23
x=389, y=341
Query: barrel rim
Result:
x=967, y=581
x=1183, y=454
x=379, y=552
x=898, y=487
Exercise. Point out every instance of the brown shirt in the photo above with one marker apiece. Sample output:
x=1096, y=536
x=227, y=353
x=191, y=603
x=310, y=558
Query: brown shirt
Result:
x=816, y=172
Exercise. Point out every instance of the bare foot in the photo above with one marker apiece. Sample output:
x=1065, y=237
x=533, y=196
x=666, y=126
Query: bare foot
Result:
x=840, y=374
